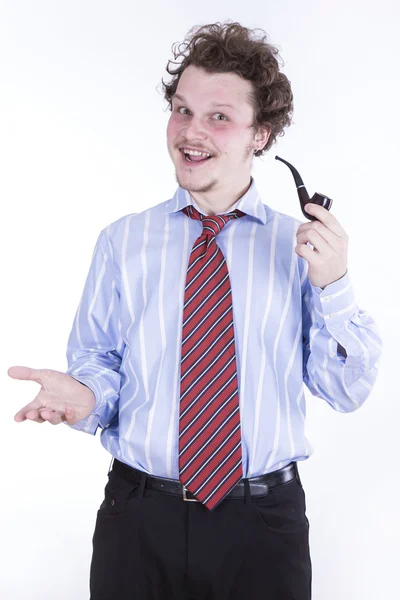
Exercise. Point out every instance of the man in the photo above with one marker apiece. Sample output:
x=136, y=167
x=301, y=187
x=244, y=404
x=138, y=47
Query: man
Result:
x=200, y=320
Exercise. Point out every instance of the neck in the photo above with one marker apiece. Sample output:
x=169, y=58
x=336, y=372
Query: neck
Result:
x=214, y=204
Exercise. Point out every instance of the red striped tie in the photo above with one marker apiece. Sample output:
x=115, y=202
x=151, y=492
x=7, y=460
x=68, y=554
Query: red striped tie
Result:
x=210, y=453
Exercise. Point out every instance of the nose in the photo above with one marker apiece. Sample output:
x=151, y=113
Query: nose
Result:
x=194, y=130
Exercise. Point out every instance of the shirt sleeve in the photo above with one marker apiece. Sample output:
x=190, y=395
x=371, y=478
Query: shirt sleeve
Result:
x=95, y=347
x=341, y=345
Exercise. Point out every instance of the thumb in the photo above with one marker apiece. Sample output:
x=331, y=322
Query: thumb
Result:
x=26, y=373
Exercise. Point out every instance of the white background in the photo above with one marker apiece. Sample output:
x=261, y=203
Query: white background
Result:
x=82, y=143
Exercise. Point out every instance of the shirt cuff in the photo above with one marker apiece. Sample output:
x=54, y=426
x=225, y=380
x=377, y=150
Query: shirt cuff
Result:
x=335, y=303
x=91, y=423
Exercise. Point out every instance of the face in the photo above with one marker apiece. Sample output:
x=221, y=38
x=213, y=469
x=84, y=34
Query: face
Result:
x=211, y=112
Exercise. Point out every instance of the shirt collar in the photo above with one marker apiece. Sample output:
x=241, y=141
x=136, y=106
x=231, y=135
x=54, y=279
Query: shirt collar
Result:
x=250, y=203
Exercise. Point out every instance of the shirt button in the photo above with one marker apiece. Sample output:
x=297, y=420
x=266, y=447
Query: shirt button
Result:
x=112, y=502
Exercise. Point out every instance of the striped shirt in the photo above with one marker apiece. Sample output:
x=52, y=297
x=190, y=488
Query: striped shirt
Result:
x=125, y=342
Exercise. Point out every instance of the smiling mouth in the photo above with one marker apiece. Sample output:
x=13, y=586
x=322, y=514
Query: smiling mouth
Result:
x=187, y=159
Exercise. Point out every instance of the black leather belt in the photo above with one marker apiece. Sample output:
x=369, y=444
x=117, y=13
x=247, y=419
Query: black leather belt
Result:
x=259, y=486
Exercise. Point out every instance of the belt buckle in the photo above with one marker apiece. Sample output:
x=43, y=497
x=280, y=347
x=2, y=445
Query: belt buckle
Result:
x=185, y=498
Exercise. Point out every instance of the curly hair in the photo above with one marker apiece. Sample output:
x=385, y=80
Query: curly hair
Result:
x=231, y=48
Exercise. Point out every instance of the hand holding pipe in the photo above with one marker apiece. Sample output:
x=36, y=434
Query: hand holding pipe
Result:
x=304, y=198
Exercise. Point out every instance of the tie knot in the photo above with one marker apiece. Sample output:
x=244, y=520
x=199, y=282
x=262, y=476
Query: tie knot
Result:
x=212, y=224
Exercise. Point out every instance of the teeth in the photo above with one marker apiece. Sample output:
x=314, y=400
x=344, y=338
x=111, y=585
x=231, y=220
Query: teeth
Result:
x=195, y=152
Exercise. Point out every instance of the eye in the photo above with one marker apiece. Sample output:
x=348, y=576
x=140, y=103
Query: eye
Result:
x=184, y=108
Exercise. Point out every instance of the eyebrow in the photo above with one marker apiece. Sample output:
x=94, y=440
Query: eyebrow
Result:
x=218, y=104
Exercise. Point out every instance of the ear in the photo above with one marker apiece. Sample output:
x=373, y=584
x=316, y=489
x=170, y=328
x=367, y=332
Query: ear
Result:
x=262, y=136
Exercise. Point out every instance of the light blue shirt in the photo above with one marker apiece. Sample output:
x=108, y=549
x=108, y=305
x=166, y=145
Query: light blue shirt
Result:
x=125, y=343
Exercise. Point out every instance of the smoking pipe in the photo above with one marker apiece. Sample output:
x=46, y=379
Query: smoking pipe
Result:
x=304, y=198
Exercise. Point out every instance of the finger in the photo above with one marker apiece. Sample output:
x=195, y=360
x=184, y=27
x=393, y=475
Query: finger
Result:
x=52, y=416
x=43, y=400
x=33, y=415
x=313, y=236
x=69, y=414
x=55, y=416
x=326, y=218
x=307, y=253
x=26, y=373
x=328, y=235
x=31, y=410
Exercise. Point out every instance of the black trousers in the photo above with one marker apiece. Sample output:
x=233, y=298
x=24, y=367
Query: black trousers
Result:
x=149, y=545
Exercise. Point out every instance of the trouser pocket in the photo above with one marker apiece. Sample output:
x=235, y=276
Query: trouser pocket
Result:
x=117, y=493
